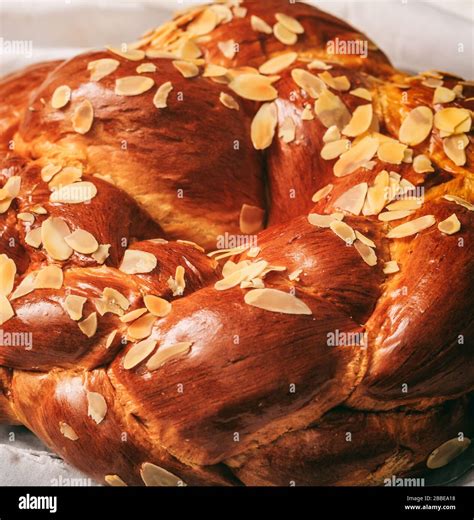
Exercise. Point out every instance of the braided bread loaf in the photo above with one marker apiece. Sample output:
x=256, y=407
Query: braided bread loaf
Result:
x=239, y=258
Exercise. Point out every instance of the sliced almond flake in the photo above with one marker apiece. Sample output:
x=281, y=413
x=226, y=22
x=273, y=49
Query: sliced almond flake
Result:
x=287, y=130
x=394, y=215
x=279, y=63
x=188, y=243
x=307, y=114
x=356, y=157
x=189, y=50
x=331, y=134
x=89, y=325
x=240, y=12
x=146, y=67
x=33, y=238
x=454, y=148
x=114, y=480
x=223, y=12
x=324, y=221
x=168, y=353
x=61, y=96
x=49, y=171
x=142, y=327
x=366, y=252
x=334, y=149
x=214, y=71
x=53, y=233
x=331, y=111
x=449, y=119
x=110, y=339
x=26, y=217
x=83, y=117
x=67, y=431
x=155, y=476
x=319, y=64
x=251, y=219
x=422, y=164
x=75, y=193
x=114, y=301
x=464, y=126
x=365, y=240
x=99, y=69
x=50, y=277
x=186, y=68
x=362, y=93
x=353, y=199
x=391, y=267
x=391, y=152
x=101, y=254
x=416, y=126
x=138, y=262
x=228, y=49
x=260, y=25
x=65, y=177
x=133, y=315
x=432, y=83
x=82, y=242
x=254, y=87
x=230, y=267
x=228, y=101
x=133, y=85
x=130, y=54
x=459, y=201
x=256, y=283
x=307, y=81
x=450, y=225
x=458, y=91
x=10, y=190
x=405, y=204
x=337, y=83
x=204, y=23
x=343, y=231
x=160, y=99
x=138, y=353
x=274, y=300
x=74, y=305
x=283, y=35
x=322, y=193
x=6, y=310
x=96, y=407
x=412, y=227
x=161, y=54
x=377, y=194
x=407, y=155
x=26, y=286
x=159, y=307
x=178, y=283
x=360, y=121
x=295, y=275
x=290, y=23
x=443, y=95
x=7, y=275
x=264, y=125
x=253, y=252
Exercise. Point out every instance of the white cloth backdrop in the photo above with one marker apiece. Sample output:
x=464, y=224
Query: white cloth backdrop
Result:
x=416, y=35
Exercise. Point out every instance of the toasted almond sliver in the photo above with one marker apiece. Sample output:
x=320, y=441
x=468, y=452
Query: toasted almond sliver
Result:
x=141, y=328
x=67, y=431
x=6, y=310
x=49, y=171
x=204, y=23
x=75, y=193
x=422, y=164
x=155, y=476
x=360, y=121
x=337, y=83
x=274, y=300
x=307, y=113
x=228, y=101
x=417, y=126
x=260, y=25
x=450, y=226
x=33, y=238
x=189, y=50
x=377, y=194
x=283, y=35
x=356, y=157
x=50, y=277
x=26, y=286
x=443, y=95
x=113, y=299
x=343, y=231
x=453, y=147
x=165, y=354
x=65, y=177
x=459, y=201
x=366, y=252
x=365, y=240
x=334, y=149
x=83, y=117
x=99, y=69
x=133, y=315
x=290, y=23
x=412, y=227
x=129, y=54
x=96, y=407
x=447, y=452
x=138, y=353
x=451, y=119
x=264, y=125
x=214, y=71
x=353, y=199
x=391, y=152
x=186, y=68
x=53, y=233
x=133, y=85
x=332, y=134
x=74, y=305
x=160, y=99
x=405, y=204
x=388, y=216
x=287, y=130
x=310, y=83
x=82, y=241
x=138, y=262
x=362, y=93
x=114, y=480
x=279, y=63
x=251, y=219
x=391, y=267
x=178, y=283
x=89, y=325
x=159, y=307
x=254, y=87
x=110, y=339
x=7, y=275
x=61, y=97
x=228, y=49
x=146, y=67
x=331, y=111
x=319, y=64
x=322, y=193
x=26, y=217
x=324, y=221
x=101, y=254
x=11, y=189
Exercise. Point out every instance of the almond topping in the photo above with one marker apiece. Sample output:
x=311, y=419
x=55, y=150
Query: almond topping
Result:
x=33, y=238
x=412, y=227
x=307, y=114
x=331, y=111
x=110, y=339
x=101, y=254
x=228, y=101
x=7, y=275
x=353, y=199
x=450, y=226
x=443, y=95
x=26, y=286
x=133, y=85
x=137, y=262
x=319, y=64
x=26, y=217
x=366, y=252
x=459, y=201
x=65, y=177
x=417, y=126
x=356, y=157
x=310, y=83
x=251, y=219
x=129, y=54
x=141, y=328
x=74, y=305
x=337, y=83
x=114, y=480
x=159, y=307
x=391, y=267
x=165, y=354
x=283, y=35
x=260, y=25
x=343, y=231
x=49, y=171
x=405, y=204
x=133, y=315
x=290, y=23
x=82, y=242
x=377, y=194
x=228, y=49
x=243, y=271
x=214, y=71
x=204, y=23
x=89, y=325
x=362, y=93
x=50, y=277
x=394, y=215
x=178, y=283
x=454, y=148
x=67, y=431
x=53, y=233
x=334, y=149
x=360, y=121
x=189, y=50
x=324, y=221
x=96, y=407
x=112, y=301
x=75, y=193
x=254, y=87
x=274, y=300
x=447, y=452
x=61, y=97
x=83, y=117
x=422, y=164
x=279, y=63
x=6, y=310
x=364, y=239
x=146, y=67
x=187, y=68
x=453, y=120
x=155, y=476
x=264, y=125
x=160, y=99
x=101, y=68
x=287, y=130
x=138, y=353
x=331, y=134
